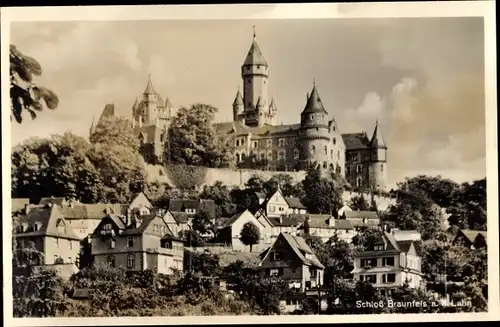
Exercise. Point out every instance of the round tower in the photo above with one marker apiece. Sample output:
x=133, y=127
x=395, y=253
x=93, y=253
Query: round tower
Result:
x=314, y=134
x=150, y=102
x=238, y=107
x=378, y=161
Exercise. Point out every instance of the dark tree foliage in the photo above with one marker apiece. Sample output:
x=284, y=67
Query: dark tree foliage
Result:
x=250, y=235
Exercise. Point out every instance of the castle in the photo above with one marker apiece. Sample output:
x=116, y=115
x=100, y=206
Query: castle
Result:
x=262, y=143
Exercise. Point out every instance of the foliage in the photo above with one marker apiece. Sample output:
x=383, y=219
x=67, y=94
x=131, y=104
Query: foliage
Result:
x=158, y=193
x=366, y=238
x=24, y=93
x=114, y=130
x=250, y=234
x=322, y=194
x=468, y=206
x=359, y=203
x=284, y=181
x=192, y=238
x=245, y=200
x=58, y=166
x=186, y=177
x=203, y=222
x=37, y=290
x=221, y=195
x=204, y=263
x=436, y=189
x=193, y=140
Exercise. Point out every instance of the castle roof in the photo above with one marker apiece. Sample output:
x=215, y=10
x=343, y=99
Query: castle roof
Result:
x=356, y=141
x=254, y=56
x=240, y=129
x=149, y=88
x=314, y=103
x=273, y=106
x=109, y=111
x=377, y=140
x=168, y=104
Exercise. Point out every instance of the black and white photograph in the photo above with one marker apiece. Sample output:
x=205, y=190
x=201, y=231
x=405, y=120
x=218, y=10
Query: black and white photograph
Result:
x=250, y=160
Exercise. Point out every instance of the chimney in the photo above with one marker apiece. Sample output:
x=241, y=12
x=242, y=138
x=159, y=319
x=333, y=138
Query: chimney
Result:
x=27, y=208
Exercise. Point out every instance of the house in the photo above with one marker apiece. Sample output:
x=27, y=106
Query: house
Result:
x=139, y=243
x=230, y=231
x=472, y=239
x=389, y=264
x=192, y=207
x=277, y=205
x=406, y=235
x=290, y=258
x=261, y=196
x=52, y=235
x=361, y=219
x=286, y=224
x=54, y=200
x=326, y=227
x=177, y=222
x=344, y=208
x=140, y=204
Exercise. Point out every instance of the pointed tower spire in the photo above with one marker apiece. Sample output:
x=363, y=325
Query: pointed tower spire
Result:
x=149, y=88
x=254, y=35
x=238, y=100
x=314, y=103
x=254, y=56
x=377, y=140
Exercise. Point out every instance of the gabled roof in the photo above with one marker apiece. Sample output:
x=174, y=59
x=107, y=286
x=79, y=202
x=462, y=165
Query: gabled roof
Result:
x=108, y=111
x=145, y=222
x=323, y=221
x=19, y=204
x=314, y=103
x=404, y=246
x=288, y=220
x=294, y=203
x=180, y=217
x=47, y=218
x=179, y=205
x=254, y=55
x=298, y=244
x=238, y=100
x=356, y=141
x=472, y=234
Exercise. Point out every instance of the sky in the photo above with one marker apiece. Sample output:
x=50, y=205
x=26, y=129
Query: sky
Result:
x=421, y=78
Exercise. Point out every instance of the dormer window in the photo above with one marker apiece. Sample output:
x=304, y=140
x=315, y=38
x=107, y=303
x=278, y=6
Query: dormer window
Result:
x=276, y=256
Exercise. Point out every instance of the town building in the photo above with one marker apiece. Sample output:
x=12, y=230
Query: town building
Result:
x=278, y=205
x=291, y=259
x=472, y=239
x=143, y=242
x=326, y=227
x=52, y=235
x=389, y=263
x=361, y=219
x=192, y=207
x=260, y=141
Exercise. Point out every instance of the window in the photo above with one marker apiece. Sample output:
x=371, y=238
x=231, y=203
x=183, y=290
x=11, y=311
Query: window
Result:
x=334, y=139
x=348, y=170
x=130, y=241
x=255, y=144
x=243, y=157
x=281, y=155
x=359, y=169
x=262, y=156
x=107, y=227
x=269, y=143
x=274, y=272
x=70, y=259
x=371, y=279
x=35, y=227
x=314, y=273
x=359, y=181
x=389, y=261
x=130, y=261
x=379, y=247
x=237, y=157
x=237, y=142
x=324, y=164
x=112, y=244
x=325, y=150
x=389, y=278
x=242, y=141
x=272, y=208
x=276, y=256
x=155, y=228
x=281, y=209
x=111, y=261
x=313, y=149
x=281, y=143
x=331, y=153
x=368, y=263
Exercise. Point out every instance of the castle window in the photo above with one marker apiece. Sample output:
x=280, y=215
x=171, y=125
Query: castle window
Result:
x=381, y=168
x=269, y=143
x=281, y=143
x=237, y=142
x=359, y=168
x=325, y=150
x=243, y=157
x=324, y=164
x=242, y=141
x=130, y=261
x=334, y=141
x=262, y=156
x=281, y=155
x=359, y=181
x=331, y=153
x=237, y=157
x=255, y=144
x=269, y=155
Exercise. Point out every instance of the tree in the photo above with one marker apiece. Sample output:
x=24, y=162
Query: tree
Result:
x=366, y=238
x=359, y=203
x=436, y=189
x=322, y=194
x=37, y=290
x=203, y=222
x=116, y=131
x=245, y=200
x=24, y=93
x=283, y=181
x=255, y=184
x=56, y=166
x=250, y=235
x=468, y=206
x=192, y=139
x=221, y=195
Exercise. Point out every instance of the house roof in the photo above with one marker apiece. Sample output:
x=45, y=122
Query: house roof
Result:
x=404, y=246
x=356, y=141
x=250, y=259
x=298, y=244
x=323, y=221
x=261, y=195
x=145, y=222
x=233, y=219
x=48, y=219
x=178, y=205
x=19, y=204
x=472, y=234
x=294, y=203
x=180, y=217
x=361, y=214
x=92, y=211
x=288, y=220
x=58, y=200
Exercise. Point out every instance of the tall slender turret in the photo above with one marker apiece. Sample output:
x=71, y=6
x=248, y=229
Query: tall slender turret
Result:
x=378, y=160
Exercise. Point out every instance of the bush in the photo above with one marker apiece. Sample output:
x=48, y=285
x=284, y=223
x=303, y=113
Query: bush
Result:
x=186, y=177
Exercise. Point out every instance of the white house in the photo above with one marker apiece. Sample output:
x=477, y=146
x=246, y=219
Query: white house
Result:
x=277, y=205
x=326, y=227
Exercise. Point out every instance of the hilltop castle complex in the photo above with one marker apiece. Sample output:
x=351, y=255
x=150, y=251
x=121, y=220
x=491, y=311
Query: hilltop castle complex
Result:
x=262, y=143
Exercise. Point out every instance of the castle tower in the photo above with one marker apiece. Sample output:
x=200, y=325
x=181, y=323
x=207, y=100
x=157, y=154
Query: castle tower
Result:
x=314, y=133
x=273, y=112
x=92, y=127
x=378, y=160
x=255, y=75
x=238, y=107
x=149, y=113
